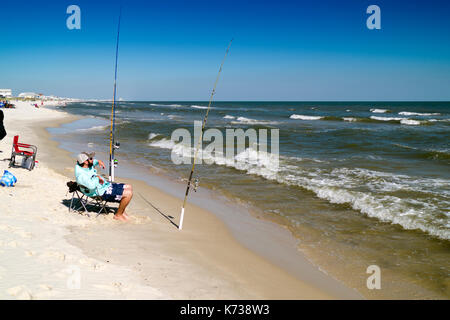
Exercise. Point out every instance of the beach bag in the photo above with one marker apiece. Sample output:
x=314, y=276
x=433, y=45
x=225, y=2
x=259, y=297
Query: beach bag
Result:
x=8, y=179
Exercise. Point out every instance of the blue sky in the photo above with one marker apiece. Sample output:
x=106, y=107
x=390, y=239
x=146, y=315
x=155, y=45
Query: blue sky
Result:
x=283, y=50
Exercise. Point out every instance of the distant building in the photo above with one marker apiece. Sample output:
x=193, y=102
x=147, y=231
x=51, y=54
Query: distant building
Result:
x=29, y=95
x=6, y=93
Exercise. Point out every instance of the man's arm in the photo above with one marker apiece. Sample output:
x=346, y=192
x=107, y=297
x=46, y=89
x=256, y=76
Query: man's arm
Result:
x=100, y=179
x=99, y=162
x=102, y=165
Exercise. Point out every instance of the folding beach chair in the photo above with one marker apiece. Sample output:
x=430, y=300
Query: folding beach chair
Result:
x=79, y=195
x=27, y=151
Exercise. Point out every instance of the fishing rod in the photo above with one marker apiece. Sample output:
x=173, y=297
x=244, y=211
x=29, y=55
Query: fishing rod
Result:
x=201, y=137
x=112, y=143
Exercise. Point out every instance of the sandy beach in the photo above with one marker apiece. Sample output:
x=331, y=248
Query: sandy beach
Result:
x=48, y=253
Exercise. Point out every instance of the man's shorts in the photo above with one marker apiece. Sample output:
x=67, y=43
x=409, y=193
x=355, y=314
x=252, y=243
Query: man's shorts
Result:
x=114, y=192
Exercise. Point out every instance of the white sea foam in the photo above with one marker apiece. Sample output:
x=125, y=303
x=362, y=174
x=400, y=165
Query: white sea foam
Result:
x=349, y=119
x=257, y=162
x=439, y=120
x=244, y=120
x=344, y=185
x=407, y=113
x=165, y=105
x=367, y=191
x=379, y=110
x=386, y=118
x=229, y=117
x=152, y=135
x=163, y=143
x=95, y=128
x=410, y=122
x=252, y=161
x=388, y=208
x=302, y=117
x=379, y=181
x=406, y=121
x=199, y=107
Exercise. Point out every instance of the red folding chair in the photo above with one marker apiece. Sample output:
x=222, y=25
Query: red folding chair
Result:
x=27, y=151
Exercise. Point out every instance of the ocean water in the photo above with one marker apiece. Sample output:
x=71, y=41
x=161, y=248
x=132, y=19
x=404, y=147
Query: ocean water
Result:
x=359, y=183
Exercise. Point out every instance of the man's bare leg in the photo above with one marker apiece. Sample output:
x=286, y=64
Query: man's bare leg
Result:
x=126, y=198
x=123, y=204
x=128, y=189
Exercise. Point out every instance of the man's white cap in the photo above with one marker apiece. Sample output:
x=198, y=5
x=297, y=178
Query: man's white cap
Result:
x=82, y=157
x=89, y=154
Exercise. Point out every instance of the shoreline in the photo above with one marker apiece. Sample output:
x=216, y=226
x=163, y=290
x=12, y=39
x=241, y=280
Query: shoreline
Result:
x=195, y=246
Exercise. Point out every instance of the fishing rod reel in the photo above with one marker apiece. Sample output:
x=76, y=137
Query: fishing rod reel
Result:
x=116, y=146
x=196, y=183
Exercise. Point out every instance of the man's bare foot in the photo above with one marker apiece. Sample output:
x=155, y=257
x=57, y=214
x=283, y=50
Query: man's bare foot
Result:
x=121, y=217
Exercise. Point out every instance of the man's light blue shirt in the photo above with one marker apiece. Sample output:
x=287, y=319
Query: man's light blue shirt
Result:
x=87, y=178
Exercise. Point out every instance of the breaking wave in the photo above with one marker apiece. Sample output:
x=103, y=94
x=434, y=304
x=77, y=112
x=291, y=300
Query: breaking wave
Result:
x=303, y=117
x=94, y=128
x=370, y=192
x=379, y=110
x=407, y=113
x=244, y=120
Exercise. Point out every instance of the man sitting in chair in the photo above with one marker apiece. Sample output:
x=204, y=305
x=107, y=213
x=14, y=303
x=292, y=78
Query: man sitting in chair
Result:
x=87, y=177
